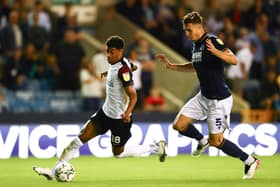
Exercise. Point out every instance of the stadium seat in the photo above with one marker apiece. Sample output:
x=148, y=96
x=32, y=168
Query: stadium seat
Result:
x=63, y=94
x=25, y=95
x=65, y=105
x=20, y=105
x=43, y=95
x=40, y=105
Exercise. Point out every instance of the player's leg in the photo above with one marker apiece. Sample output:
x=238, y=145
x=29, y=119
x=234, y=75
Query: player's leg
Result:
x=91, y=129
x=139, y=150
x=184, y=125
x=88, y=132
x=231, y=149
x=218, y=122
x=121, y=134
x=193, y=109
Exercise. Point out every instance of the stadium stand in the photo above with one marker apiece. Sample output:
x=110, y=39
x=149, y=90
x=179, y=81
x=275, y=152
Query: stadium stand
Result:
x=28, y=75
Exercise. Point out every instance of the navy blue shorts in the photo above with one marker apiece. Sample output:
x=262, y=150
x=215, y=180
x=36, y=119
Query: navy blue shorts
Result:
x=119, y=129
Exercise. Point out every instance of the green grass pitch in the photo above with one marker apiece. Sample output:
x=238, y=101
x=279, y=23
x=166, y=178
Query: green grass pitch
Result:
x=182, y=170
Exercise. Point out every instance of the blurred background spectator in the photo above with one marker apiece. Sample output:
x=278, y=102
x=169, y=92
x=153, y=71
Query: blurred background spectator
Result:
x=147, y=59
x=133, y=57
x=69, y=55
x=3, y=105
x=11, y=35
x=61, y=21
x=43, y=18
x=239, y=74
x=38, y=35
x=99, y=61
x=270, y=90
x=91, y=86
x=13, y=75
x=154, y=102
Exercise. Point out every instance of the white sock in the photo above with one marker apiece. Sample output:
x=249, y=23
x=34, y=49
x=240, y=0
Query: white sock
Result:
x=136, y=151
x=69, y=152
x=249, y=160
x=203, y=141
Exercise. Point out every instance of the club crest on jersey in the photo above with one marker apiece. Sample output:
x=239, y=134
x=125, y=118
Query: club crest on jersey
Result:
x=126, y=76
x=220, y=41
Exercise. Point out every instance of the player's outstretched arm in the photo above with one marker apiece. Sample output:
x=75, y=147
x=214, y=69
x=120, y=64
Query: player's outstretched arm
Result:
x=175, y=67
x=226, y=55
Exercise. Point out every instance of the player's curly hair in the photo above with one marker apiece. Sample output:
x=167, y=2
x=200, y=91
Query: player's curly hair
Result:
x=115, y=42
x=193, y=17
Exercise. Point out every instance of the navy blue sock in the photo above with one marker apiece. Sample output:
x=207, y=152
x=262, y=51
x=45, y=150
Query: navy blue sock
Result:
x=192, y=132
x=233, y=150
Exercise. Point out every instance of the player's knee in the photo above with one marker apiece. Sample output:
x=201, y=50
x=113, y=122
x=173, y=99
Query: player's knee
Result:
x=117, y=151
x=87, y=132
x=216, y=142
x=85, y=137
x=178, y=127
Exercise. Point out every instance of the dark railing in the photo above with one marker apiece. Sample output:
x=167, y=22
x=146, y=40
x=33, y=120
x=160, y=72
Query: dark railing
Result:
x=81, y=117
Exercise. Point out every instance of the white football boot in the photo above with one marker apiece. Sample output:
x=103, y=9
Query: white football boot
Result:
x=250, y=170
x=200, y=149
x=46, y=172
x=161, y=150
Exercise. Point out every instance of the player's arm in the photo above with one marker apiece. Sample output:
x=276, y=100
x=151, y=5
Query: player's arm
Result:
x=175, y=67
x=226, y=55
x=125, y=75
x=131, y=93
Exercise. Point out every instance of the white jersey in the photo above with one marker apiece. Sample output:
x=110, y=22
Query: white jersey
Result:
x=92, y=88
x=244, y=56
x=119, y=76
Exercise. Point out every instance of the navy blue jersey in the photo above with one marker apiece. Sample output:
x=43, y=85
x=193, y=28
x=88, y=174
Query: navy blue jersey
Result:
x=209, y=68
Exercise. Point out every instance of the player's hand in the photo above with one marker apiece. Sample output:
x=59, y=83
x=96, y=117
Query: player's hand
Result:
x=163, y=58
x=104, y=74
x=126, y=117
x=134, y=67
x=210, y=46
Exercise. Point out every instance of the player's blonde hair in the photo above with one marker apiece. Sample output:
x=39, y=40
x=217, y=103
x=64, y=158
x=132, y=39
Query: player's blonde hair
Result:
x=193, y=17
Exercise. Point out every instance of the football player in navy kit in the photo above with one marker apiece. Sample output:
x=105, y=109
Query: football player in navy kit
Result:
x=214, y=101
x=115, y=114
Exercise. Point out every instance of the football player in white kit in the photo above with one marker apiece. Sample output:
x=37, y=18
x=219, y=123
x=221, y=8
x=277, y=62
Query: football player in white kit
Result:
x=115, y=114
x=214, y=101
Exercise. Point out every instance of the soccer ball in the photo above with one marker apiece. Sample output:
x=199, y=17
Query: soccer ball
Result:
x=64, y=172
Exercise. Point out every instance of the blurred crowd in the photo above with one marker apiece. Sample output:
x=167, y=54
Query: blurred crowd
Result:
x=40, y=51
x=41, y=57
x=252, y=33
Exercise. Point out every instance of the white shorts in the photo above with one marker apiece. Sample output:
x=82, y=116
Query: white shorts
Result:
x=217, y=112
